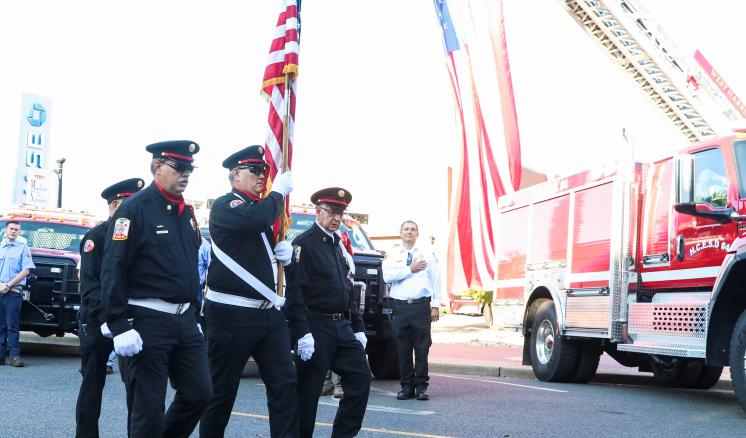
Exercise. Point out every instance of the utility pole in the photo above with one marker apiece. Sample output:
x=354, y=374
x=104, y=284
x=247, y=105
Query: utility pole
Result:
x=58, y=171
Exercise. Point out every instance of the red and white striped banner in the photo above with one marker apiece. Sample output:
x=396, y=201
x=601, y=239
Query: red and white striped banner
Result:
x=282, y=64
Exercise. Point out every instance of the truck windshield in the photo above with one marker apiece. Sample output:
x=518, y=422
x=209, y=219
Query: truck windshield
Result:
x=739, y=148
x=303, y=221
x=48, y=235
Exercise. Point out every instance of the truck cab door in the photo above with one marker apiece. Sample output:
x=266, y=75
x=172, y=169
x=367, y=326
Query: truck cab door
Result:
x=699, y=244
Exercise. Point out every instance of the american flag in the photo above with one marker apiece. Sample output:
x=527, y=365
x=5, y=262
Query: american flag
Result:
x=490, y=158
x=282, y=65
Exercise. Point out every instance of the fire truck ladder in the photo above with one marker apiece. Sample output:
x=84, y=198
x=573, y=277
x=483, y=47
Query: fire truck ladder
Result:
x=639, y=46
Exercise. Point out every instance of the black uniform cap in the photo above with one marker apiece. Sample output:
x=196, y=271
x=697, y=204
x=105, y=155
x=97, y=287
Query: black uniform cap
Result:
x=177, y=150
x=122, y=189
x=249, y=156
x=336, y=196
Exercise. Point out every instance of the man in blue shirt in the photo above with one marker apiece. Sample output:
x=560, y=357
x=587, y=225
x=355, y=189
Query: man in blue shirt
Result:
x=15, y=262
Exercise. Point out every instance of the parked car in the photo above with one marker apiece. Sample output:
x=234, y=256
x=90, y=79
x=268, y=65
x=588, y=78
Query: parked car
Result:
x=51, y=298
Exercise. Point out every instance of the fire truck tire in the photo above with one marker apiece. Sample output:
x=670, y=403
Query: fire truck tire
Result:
x=553, y=357
x=736, y=362
x=676, y=372
x=709, y=377
x=383, y=359
x=588, y=358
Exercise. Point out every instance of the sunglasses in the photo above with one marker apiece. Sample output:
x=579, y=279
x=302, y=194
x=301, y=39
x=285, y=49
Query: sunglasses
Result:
x=256, y=170
x=179, y=167
x=333, y=212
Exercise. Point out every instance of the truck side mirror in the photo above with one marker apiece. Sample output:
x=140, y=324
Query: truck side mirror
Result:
x=684, y=174
x=685, y=204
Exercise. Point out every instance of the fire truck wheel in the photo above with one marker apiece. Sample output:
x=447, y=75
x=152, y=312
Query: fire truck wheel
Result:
x=736, y=362
x=553, y=357
x=383, y=359
x=588, y=358
x=676, y=372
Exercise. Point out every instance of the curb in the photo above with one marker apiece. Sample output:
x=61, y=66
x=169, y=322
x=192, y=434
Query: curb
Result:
x=640, y=379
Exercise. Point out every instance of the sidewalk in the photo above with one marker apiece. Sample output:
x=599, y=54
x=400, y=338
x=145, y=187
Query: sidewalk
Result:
x=464, y=344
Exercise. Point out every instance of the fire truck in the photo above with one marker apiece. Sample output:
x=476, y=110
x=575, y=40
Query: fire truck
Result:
x=51, y=298
x=645, y=261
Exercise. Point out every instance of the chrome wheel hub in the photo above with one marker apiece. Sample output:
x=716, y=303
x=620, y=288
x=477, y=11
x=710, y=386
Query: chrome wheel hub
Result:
x=545, y=341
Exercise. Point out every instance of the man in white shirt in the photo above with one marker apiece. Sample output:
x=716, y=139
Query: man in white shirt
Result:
x=413, y=273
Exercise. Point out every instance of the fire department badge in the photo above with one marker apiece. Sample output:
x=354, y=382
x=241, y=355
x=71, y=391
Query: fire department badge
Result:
x=88, y=246
x=192, y=147
x=260, y=150
x=121, y=229
x=139, y=184
x=235, y=203
x=296, y=253
x=341, y=193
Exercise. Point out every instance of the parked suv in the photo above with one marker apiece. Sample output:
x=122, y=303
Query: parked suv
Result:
x=50, y=298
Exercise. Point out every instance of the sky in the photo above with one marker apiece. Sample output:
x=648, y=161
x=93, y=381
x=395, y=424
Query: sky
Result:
x=375, y=113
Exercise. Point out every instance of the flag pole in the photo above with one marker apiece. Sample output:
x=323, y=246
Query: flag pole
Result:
x=284, y=168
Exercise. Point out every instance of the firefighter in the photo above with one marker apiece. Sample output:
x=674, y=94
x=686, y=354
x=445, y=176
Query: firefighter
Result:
x=94, y=346
x=324, y=318
x=242, y=309
x=149, y=282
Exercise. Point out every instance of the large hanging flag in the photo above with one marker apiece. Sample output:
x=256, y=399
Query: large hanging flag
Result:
x=278, y=87
x=490, y=162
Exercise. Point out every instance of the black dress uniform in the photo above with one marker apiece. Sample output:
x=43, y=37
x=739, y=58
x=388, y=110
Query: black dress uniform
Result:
x=151, y=258
x=320, y=302
x=94, y=347
x=241, y=322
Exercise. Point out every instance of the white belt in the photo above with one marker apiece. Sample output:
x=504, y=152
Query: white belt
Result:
x=235, y=300
x=159, y=305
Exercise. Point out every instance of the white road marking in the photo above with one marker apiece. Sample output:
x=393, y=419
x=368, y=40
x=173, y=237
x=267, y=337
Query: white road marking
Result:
x=388, y=409
x=382, y=391
x=497, y=382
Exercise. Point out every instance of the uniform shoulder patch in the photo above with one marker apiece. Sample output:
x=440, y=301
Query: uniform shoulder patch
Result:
x=121, y=229
x=88, y=245
x=296, y=253
x=235, y=203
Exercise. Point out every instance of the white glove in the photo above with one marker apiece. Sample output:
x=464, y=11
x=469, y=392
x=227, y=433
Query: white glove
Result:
x=199, y=327
x=283, y=183
x=360, y=336
x=284, y=252
x=105, y=331
x=128, y=343
x=306, y=347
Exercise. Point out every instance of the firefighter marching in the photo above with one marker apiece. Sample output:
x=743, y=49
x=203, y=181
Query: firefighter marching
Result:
x=645, y=261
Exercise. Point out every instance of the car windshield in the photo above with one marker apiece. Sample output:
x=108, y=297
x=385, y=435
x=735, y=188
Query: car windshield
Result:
x=303, y=221
x=49, y=235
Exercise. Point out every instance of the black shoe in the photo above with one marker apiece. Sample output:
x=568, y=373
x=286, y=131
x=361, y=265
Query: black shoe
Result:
x=422, y=394
x=2, y=360
x=109, y=370
x=16, y=362
x=405, y=394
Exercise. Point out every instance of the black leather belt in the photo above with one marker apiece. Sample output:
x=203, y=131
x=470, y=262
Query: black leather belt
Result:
x=332, y=316
x=414, y=301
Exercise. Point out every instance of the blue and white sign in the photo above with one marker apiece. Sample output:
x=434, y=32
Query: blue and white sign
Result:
x=33, y=176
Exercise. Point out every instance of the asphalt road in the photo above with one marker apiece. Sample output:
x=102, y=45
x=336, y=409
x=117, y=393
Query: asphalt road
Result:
x=39, y=401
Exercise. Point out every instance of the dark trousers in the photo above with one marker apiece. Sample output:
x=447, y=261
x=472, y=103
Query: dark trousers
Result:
x=173, y=349
x=233, y=335
x=337, y=349
x=94, y=352
x=411, y=327
x=10, y=314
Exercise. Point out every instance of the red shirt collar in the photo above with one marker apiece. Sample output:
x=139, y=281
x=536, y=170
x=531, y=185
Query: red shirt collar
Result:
x=255, y=198
x=178, y=200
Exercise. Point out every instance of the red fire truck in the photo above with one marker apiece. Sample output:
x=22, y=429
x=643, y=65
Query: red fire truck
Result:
x=645, y=261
